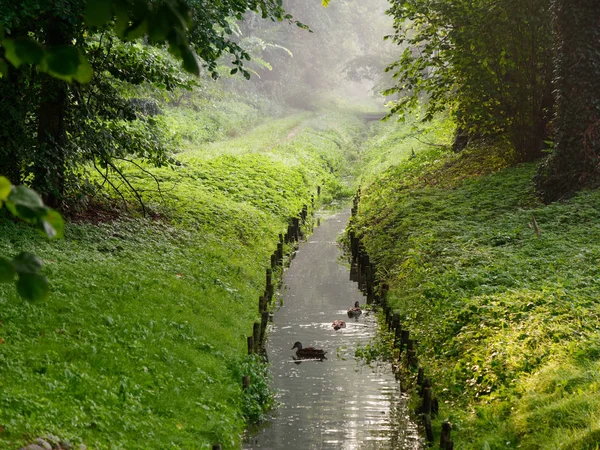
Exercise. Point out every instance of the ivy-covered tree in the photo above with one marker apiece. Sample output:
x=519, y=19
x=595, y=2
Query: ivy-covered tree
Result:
x=575, y=162
x=488, y=61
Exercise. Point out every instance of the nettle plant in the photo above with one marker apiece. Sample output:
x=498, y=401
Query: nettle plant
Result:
x=26, y=204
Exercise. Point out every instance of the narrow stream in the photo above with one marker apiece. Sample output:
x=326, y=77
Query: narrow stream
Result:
x=337, y=403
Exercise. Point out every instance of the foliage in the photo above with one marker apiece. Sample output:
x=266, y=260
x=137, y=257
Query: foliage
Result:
x=258, y=397
x=489, y=62
x=26, y=204
x=78, y=123
x=143, y=340
x=505, y=319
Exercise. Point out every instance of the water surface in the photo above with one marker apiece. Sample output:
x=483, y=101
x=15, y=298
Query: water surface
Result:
x=337, y=403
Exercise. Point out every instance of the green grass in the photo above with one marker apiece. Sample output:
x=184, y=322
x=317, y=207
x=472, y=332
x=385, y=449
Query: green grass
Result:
x=142, y=343
x=507, y=321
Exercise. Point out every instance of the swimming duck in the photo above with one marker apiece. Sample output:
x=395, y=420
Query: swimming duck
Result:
x=356, y=311
x=308, y=352
x=337, y=324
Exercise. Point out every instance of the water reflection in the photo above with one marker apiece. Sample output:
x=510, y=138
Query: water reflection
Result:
x=338, y=402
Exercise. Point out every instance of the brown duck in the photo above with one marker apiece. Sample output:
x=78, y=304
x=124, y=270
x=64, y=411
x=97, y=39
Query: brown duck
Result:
x=337, y=324
x=308, y=352
x=356, y=311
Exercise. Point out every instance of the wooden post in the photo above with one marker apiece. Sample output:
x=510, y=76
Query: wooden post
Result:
x=256, y=335
x=404, y=338
x=318, y=191
x=428, y=429
x=411, y=358
x=296, y=228
x=280, y=253
x=420, y=376
x=250, y=345
x=246, y=381
x=264, y=320
x=395, y=321
x=450, y=445
x=368, y=279
x=262, y=304
x=445, y=436
x=281, y=238
x=216, y=447
x=268, y=278
x=383, y=291
x=426, y=407
x=398, y=338
x=353, y=272
x=274, y=259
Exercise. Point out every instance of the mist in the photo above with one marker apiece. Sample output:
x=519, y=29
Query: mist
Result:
x=340, y=62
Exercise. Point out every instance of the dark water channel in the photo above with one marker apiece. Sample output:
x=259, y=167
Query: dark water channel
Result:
x=337, y=403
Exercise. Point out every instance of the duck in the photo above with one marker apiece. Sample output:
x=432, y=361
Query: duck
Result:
x=308, y=352
x=337, y=324
x=355, y=311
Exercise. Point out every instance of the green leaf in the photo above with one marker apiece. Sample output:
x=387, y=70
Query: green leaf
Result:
x=22, y=51
x=63, y=62
x=53, y=224
x=27, y=263
x=325, y=3
x=7, y=271
x=26, y=203
x=190, y=62
x=33, y=287
x=5, y=188
x=84, y=71
x=98, y=12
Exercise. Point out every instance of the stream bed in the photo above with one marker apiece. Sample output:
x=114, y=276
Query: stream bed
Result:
x=339, y=402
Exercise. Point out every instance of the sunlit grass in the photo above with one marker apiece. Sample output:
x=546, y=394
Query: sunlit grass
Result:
x=507, y=321
x=142, y=343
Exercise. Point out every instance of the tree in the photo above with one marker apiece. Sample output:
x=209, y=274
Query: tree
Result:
x=489, y=62
x=575, y=162
x=53, y=52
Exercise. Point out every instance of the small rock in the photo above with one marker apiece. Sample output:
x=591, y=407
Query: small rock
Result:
x=66, y=445
x=32, y=447
x=42, y=443
x=52, y=439
x=82, y=447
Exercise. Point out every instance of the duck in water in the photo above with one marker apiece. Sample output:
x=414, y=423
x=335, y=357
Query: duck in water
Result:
x=337, y=324
x=308, y=352
x=356, y=311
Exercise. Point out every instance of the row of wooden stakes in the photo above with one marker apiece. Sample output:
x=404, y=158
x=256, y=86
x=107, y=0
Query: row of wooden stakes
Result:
x=293, y=235
x=364, y=272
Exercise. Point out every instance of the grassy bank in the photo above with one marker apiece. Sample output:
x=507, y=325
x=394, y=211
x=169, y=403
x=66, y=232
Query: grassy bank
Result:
x=142, y=343
x=507, y=321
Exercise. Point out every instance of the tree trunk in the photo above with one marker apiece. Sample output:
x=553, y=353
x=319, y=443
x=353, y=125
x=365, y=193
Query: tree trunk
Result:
x=11, y=132
x=50, y=157
x=575, y=162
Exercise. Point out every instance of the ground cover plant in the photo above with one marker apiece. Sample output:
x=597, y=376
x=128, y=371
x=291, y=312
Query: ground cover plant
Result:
x=142, y=342
x=507, y=320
